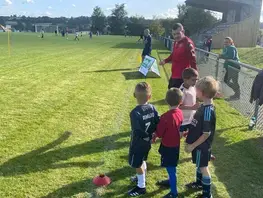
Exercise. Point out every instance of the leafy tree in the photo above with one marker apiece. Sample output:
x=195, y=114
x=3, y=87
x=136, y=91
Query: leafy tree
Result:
x=136, y=25
x=98, y=19
x=195, y=19
x=118, y=19
x=156, y=28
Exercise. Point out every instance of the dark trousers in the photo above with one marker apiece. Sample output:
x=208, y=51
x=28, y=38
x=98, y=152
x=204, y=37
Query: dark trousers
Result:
x=232, y=74
x=175, y=82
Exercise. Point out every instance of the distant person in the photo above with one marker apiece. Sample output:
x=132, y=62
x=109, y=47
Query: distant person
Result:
x=232, y=66
x=56, y=32
x=144, y=119
x=182, y=57
x=168, y=131
x=147, y=44
x=209, y=43
x=42, y=33
x=63, y=33
x=76, y=36
x=90, y=34
x=201, y=134
x=80, y=34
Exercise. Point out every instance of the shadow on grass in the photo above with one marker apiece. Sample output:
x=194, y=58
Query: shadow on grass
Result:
x=109, y=70
x=134, y=46
x=239, y=164
x=137, y=75
x=86, y=186
x=159, y=102
x=44, y=158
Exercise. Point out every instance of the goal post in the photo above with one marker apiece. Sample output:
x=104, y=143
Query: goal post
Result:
x=47, y=27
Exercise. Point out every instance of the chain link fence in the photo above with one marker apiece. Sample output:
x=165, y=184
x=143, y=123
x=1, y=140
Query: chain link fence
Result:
x=236, y=81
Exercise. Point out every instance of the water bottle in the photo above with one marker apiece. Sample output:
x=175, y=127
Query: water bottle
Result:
x=252, y=123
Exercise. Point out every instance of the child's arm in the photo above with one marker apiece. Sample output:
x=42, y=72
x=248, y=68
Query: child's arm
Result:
x=190, y=107
x=207, y=128
x=198, y=142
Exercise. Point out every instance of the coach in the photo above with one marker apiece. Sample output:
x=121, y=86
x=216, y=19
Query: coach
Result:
x=183, y=56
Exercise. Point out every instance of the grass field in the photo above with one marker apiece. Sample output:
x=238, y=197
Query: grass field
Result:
x=55, y=85
x=252, y=56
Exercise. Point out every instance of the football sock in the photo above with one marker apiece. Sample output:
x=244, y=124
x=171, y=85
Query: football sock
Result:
x=144, y=166
x=141, y=180
x=172, y=179
x=198, y=176
x=206, y=181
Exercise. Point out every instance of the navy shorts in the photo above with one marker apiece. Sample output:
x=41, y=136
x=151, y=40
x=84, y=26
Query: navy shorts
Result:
x=146, y=52
x=201, y=157
x=184, y=128
x=138, y=154
x=169, y=156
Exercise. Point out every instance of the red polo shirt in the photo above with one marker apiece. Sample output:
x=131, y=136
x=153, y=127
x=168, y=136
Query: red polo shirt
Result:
x=169, y=127
x=182, y=57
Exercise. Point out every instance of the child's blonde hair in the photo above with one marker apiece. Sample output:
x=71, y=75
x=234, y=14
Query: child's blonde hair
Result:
x=142, y=91
x=208, y=86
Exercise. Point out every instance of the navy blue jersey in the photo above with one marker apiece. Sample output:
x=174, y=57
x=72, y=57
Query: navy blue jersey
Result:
x=204, y=121
x=148, y=42
x=144, y=120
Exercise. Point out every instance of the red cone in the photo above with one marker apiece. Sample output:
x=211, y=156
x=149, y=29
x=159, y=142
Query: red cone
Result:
x=101, y=180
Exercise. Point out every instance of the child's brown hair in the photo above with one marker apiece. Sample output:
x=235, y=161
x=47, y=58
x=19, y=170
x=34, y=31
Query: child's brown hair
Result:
x=208, y=86
x=142, y=91
x=189, y=73
x=174, y=97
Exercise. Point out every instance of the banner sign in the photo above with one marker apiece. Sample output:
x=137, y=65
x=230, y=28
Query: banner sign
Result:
x=149, y=64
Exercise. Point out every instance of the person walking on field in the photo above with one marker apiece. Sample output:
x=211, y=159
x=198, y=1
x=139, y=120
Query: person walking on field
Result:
x=230, y=54
x=182, y=57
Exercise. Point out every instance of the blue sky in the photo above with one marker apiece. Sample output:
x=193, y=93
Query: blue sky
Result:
x=54, y=8
x=68, y=8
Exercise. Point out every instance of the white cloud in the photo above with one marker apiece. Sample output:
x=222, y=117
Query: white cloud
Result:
x=109, y=8
x=48, y=13
x=8, y=2
x=73, y=5
x=170, y=13
x=28, y=1
x=49, y=7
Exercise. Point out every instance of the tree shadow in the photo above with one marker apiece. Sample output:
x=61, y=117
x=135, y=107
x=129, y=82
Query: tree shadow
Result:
x=44, y=158
x=109, y=70
x=137, y=75
x=239, y=165
x=87, y=186
x=133, y=45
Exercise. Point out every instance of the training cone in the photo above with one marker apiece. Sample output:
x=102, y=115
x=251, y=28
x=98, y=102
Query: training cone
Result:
x=101, y=180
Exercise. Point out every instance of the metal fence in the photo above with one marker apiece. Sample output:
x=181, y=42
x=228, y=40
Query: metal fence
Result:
x=235, y=81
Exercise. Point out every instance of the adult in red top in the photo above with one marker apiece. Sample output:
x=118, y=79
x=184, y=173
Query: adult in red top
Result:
x=182, y=57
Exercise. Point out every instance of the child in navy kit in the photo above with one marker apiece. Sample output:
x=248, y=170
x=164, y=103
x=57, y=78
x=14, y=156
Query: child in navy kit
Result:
x=144, y=119
x=201, y=134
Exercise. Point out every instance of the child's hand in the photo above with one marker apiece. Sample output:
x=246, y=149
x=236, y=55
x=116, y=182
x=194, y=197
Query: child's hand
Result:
x=162, y=62
x=185, y=133
x=154, y=137
x=189, y=148
x=197, y=105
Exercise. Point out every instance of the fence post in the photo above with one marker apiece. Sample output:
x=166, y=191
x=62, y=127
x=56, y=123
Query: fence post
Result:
x=217, y=69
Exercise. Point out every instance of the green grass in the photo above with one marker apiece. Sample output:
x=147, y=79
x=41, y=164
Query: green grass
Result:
x=55, y=85
x=252, y=56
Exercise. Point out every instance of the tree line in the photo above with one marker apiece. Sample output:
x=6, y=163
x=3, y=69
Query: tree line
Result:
x=118, y=22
